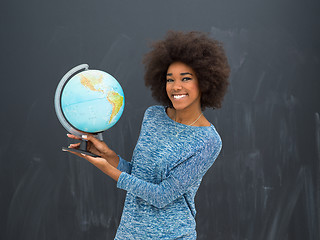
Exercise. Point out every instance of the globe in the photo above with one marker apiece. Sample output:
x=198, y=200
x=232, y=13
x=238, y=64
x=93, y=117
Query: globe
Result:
x=90, y=101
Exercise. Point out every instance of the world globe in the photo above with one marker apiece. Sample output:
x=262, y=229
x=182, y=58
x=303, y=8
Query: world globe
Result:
x=89, y=101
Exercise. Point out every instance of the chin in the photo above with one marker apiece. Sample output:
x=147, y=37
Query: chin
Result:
x=179, y=106
x=185, y=105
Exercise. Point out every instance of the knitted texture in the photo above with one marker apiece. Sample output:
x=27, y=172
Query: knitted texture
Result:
x=168, y=164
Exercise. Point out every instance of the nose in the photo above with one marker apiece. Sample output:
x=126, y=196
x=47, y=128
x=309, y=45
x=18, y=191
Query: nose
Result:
x=177, y=86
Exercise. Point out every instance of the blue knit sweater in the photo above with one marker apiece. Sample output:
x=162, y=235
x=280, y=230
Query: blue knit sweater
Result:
x=163, y=177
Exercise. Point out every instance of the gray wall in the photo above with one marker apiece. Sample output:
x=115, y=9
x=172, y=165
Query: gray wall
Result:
x=265, y=183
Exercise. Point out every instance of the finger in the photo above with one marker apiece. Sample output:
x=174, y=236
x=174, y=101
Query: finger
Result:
x=94, y=160
x=91, y=139
x=87, y=157
x=75, y=153
x=73, y=136
x=74, y=145
x=82, y=155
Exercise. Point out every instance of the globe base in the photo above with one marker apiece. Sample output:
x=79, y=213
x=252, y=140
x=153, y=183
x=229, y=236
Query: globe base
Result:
x=82, y=149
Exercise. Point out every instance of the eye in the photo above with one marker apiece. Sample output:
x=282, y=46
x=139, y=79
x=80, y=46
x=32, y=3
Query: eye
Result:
x=169, y=80
x=186, y=79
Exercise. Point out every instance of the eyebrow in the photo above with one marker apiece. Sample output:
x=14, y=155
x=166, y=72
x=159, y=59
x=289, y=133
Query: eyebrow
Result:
x=182, y=74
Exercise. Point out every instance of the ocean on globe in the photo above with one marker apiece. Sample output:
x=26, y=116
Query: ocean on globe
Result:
x=92, y=101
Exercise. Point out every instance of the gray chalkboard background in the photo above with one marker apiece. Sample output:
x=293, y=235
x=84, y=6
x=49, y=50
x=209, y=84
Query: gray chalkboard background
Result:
x=265, y=185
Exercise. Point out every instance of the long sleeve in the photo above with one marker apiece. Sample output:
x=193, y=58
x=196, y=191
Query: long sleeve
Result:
x=178, y=181
x=124, y=166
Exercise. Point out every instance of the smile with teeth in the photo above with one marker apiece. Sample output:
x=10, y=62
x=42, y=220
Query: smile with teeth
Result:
x=179, y=96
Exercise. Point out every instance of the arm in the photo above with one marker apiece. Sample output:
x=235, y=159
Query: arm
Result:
x=177, y=183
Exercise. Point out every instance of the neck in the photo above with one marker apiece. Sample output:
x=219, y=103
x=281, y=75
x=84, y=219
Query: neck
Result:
x=186, y=116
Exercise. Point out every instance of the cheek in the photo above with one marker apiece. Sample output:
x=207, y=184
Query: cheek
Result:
x=167, y=89
x=196, y=89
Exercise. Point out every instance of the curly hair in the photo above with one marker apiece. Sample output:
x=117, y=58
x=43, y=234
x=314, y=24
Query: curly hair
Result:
x=195, y=49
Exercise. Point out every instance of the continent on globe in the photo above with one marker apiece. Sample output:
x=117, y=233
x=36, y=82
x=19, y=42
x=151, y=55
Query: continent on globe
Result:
x=92, y=81
x=116, y=101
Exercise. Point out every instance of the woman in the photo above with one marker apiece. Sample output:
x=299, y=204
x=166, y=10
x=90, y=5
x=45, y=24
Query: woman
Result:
x=187, y=72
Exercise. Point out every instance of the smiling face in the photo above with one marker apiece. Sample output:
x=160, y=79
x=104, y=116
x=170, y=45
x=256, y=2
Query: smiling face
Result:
x=182, y=87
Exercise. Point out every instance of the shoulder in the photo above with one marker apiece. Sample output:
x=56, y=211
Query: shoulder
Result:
x=213, y=136
x=154, y=111
x=153, y=116
x=210, y=141
x=155, y=108
x=215, y=142
x=210, y=145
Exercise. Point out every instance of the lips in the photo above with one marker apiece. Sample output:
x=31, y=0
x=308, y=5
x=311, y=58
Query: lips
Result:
x=179, y=96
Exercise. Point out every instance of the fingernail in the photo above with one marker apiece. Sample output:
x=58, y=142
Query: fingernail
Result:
x=84, y=136
x=64, y=150
x=82, y=154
